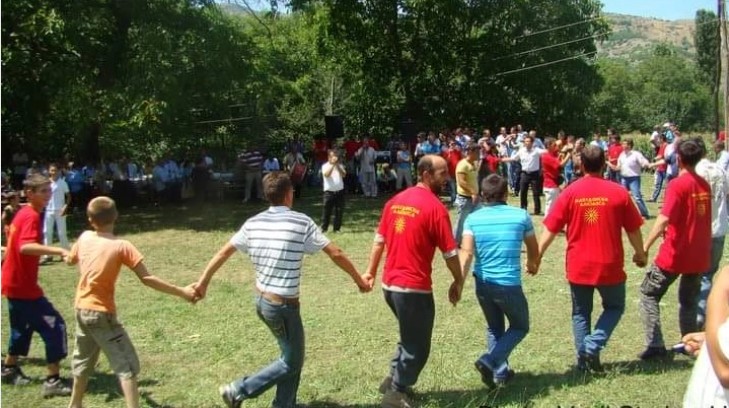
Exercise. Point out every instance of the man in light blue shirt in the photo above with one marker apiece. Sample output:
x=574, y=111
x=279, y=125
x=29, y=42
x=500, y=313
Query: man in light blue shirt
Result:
x=494, y=235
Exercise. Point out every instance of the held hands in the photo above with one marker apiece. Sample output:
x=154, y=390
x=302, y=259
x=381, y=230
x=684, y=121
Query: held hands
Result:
x=693, y=342
x=532, y=268
x=454, y=292
x=640, y=259
x=190, y=294
x=369, y=282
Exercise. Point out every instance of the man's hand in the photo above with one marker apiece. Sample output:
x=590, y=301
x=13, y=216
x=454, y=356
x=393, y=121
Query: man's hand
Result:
x=693, y=342
x=363, y=285
x=640, y=259
x=532, y=268
x=454, y=292
x=369, y=280
x=474, y=199
x=191, y=295
x=200, y=289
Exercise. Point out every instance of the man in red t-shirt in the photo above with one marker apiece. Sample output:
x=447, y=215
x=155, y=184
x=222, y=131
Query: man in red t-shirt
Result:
x=661, y=168
x=29, y=310
x=613, y=153
x=595, y=212
x=685, y=224
x=552, y=173
x=414, y=223
x=452, y=155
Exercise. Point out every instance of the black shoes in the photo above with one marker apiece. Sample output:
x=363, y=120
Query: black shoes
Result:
x=654, y=353
x=487, y=376
x=589, y=363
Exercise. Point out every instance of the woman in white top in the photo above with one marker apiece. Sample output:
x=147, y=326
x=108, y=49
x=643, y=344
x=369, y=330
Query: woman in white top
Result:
x=630, y=165
x=710, y=376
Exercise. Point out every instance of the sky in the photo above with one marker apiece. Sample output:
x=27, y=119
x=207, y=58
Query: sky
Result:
x=663, y=9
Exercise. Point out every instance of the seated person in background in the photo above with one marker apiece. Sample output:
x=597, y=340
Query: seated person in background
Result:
x=709, y=383
x=386, y=179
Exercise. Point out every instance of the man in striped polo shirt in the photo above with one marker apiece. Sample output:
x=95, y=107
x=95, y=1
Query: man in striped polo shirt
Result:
x=276, y=241
x=252, y=161
x=495, y=234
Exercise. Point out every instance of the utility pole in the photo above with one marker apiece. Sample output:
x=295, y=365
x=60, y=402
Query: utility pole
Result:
x=724, y=64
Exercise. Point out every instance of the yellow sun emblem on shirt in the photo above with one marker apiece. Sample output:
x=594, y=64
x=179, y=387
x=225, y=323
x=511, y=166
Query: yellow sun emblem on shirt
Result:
x=591, y=216
x=399, y=225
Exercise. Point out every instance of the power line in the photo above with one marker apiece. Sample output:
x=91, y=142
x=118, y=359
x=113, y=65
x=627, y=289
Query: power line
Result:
x=544, y=64
x=548, y=47
x=557, y=28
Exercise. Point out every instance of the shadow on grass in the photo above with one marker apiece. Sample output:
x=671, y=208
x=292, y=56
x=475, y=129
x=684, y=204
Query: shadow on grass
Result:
x=526, y=387
x=107, y=383
x=360, y=214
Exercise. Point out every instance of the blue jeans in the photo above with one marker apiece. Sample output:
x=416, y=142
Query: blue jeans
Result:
x=515, y=176
x=633, y=185
x=284, y=321
x=660, y=177
x=587, y=340
x=499, y=302
x=415, y=313
x=452, y=190
x=464, y=206
x=717, y=249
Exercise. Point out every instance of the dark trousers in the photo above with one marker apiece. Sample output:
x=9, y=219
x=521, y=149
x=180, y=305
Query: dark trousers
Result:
x=333, y=202
x=531, y=179
x=415, y=314
x=38, y=315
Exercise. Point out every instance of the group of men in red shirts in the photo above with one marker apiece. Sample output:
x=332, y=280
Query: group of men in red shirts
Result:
x=594, y=212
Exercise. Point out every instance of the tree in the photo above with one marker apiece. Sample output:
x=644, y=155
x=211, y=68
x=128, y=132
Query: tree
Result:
x=706, y=40
x=121, y=76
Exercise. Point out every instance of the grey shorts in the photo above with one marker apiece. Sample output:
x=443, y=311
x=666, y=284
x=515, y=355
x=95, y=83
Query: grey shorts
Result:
x=99, y=331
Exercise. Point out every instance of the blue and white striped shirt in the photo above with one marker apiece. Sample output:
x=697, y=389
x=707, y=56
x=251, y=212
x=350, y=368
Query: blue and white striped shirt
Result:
x=276, y=241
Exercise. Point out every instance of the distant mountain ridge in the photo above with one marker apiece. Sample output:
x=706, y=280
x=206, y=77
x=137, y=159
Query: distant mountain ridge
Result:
x=635, y=37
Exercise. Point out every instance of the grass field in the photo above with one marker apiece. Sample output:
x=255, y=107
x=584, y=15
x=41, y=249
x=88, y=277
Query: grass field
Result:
x=187, y=351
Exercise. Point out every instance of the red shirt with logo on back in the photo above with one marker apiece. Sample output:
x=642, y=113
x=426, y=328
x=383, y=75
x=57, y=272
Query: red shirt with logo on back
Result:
x=613, y=153
x=686, y=243
x=595, y=212
x=550, y=170
x=413, y=224
x=20, y=272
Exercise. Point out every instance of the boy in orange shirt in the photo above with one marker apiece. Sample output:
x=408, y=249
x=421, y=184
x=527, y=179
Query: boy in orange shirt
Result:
x=100, y=255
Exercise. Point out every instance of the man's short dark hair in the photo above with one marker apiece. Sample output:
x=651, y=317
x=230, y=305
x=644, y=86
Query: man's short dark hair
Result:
x=629, y=142
x=549, y=141
x=690, y=151
x=494, y=188
x=593, y=159
x=276, y=185
x=719, y=145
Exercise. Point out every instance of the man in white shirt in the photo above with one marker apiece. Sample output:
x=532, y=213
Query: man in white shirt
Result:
x=722, y=156
x=367, y=157
x=630, y=164
x=55, y=214
x=718, y=179
x=530, y=159
x=333, y=173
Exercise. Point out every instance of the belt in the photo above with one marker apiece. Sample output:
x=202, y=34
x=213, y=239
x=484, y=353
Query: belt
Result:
x=278, y=299
x=530, y=172
x=464, y=196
